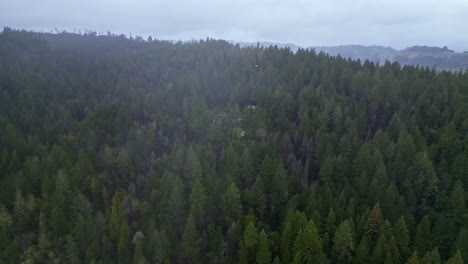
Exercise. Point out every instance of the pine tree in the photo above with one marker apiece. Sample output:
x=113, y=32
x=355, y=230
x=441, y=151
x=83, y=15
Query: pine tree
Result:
x=247, y=168
x=458, y=201
x=287, y=239
x=190, y=243
x=162, y=247
x=375, y=221
x=401, y=233
x=279, y=187
x=462, y=242
x=456, y=259
x=277, y=260
x=250, y=240
x=362, y=252
x=259, y=197
x=232, y=207
x=138, y=257
x=264, y=253
x=267, y=171
x=343, y=244
x=307, y=245
x=176, y=204
x=250, y=236
x=414, y=259
x=198, y=201
x=192, y=167
x=390, y=202
x=330, y=221
x=71, y=252
x=431, y=257
x=423, y=237
x=123, y=251
x=116, y=217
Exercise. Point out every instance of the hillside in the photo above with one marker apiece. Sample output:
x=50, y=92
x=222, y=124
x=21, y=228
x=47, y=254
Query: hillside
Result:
x=441, y=58
x=124, y=150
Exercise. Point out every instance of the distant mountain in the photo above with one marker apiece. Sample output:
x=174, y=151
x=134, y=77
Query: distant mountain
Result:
x=442, y=58
x=373, y=53
x=426, y=56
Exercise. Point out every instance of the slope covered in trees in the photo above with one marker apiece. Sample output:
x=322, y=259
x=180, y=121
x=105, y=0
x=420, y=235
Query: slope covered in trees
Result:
x=120, y=150
x=441, y=58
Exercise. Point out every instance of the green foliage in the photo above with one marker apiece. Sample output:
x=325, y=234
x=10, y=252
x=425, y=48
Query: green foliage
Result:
x=456, y=259
x=375, y=221
x=431, y=257
x=198, y=201
x=105, y=138
x=250, y=236
x=232, y=207
x=264, y=253
x=190, y=242
x=423, y=237
x=123, y=244
x=402, y=236
x=307, y=246
x=414, y=259
x=343, y=244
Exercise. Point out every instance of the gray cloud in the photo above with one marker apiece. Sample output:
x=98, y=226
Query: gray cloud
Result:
x=396, y=23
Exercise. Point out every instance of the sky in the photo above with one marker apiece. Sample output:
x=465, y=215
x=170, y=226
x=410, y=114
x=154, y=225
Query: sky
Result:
x=395, y=23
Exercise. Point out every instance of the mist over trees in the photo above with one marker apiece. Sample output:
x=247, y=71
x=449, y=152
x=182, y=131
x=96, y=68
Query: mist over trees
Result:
x=124, y=150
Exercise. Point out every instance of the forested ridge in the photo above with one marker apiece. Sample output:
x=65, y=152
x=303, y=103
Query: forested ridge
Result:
x=116, y=149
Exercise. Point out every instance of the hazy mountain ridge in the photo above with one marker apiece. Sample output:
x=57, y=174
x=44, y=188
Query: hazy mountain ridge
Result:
x=426, y=56
x=442, y=58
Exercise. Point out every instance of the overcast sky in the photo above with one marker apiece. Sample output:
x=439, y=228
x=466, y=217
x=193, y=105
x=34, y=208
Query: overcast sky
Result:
x=395, y=23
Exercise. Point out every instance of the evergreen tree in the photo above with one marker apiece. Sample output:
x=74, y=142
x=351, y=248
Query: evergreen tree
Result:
x=362, y=252
x=232, y=207
x=375, y=221
x=343, y=244
x=456, y=259
x=423, y=235
x=401, y=233
x=287, y=239
x=264, y=253
x=259, y=196
x=198, y=201
x=307, y=245
x=413, y=259
x=190, y=243
x=250, y=239
x=161, y=247
x=431, y=257
x=123, y=251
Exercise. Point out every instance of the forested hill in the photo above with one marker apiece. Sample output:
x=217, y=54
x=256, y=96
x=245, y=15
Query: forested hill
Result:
x=441, y=58
x=119, y=150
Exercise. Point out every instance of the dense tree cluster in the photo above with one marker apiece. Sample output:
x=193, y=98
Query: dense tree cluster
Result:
x=124, y=150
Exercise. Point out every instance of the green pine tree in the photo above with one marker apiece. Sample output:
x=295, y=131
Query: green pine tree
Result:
x=343, y=244
x=264, y=253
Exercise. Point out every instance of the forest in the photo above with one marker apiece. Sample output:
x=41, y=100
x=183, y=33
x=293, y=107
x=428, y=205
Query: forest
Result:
x=119, y=149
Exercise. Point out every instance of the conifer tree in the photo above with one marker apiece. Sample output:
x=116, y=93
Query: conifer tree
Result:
x=264, y=253
x=456, y=259
x=232, y=207
x=375, y=221
x=190, y=247
x=123, y=251
x=343, y=244
x=423, y=237
x=198, y=201
x=431, y=257
x=413, y=259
